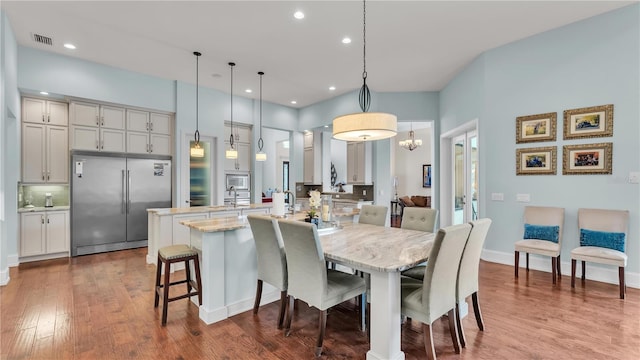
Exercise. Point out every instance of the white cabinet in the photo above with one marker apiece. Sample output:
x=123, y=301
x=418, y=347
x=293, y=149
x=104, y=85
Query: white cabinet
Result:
x=97, y=127
x=312, y=158
x=308, y=166
x=356, y=166
x=41, y=111
x=45, y=153
x=243, y=162
x=44, y=233
x=148, y=133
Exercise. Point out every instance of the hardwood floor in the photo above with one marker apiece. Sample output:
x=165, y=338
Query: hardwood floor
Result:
x=101, y=307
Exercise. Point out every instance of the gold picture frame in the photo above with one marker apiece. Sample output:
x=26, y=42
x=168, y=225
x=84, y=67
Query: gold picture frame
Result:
x=587, y=159
x=589, y=122
x=539, y=127
x=536, y=161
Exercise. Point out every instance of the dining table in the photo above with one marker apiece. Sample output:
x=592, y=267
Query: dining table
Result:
x=383, y=252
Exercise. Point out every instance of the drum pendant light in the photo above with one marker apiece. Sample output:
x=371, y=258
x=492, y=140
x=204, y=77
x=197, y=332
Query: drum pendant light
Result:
x=231, y=153
x=261, y=155
x=196, y=150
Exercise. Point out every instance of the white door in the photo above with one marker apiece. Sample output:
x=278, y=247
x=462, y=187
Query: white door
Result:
x=464, y=160
x=198, y=178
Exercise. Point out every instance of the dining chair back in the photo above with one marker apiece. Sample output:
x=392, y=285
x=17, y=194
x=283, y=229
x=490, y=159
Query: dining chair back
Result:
x=603, y=235
x=421, y=219
x=309, y=278
x=271, y=259
x=373, y=214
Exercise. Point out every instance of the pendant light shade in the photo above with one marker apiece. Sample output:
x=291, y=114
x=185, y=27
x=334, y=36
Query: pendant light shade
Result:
x=365, y=126
x=196, y=150
x=261, y=155
x=231, y=152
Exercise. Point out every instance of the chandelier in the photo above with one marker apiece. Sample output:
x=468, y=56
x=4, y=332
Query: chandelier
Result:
x=365, y=125
x=411, y=143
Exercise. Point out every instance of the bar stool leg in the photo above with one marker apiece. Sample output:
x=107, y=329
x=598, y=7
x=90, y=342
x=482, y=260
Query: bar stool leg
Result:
x=158, y=272
x=196, y=262
x=188, y=271
x=165, y=294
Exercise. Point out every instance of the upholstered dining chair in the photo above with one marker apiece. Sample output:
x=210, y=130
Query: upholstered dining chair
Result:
x=272, y=263
x=309, y=278
x=542, y=236
x=468, y=273
x=421, y=219
x=435, y=296
x=603, y=235
x=373, y=214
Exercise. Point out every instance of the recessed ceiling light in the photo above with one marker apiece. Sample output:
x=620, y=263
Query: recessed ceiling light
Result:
x=294, y=102
x=332, y=88
x=346, y=40
x=44, y=93
x=70, y=46
x=298, y=15
x=248, y=91
x=326, y=126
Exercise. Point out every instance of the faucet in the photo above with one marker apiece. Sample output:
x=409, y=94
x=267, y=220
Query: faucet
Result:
x=292, y=205
x=235, y=195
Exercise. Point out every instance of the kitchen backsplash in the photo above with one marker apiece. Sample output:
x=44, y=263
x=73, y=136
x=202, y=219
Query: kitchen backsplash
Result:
x=35, y=195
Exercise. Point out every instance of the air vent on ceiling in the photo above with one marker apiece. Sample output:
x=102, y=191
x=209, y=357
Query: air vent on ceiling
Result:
x=42, y=39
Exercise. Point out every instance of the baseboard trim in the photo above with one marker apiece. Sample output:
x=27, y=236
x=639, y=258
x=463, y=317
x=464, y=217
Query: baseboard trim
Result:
x=4, y=276
x=543, y=263
x=13, y=260
x=247, y=304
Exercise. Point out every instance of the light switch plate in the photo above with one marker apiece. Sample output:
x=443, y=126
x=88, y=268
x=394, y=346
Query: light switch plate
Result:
x=497, y=196
x=634, y=177
x=523, y=197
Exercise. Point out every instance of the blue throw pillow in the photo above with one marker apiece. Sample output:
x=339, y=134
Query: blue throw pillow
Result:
x=541, y=232
x=610, y=240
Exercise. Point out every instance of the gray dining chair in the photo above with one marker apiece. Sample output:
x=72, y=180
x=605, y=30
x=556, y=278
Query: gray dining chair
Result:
x=373, y=214
x=468, y=273
x=435, y=296
x=309, y=278
x=272, y=263
x=421, y=219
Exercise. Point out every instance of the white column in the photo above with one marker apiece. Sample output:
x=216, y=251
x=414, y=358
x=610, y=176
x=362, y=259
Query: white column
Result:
x=385, y=317
x=212, y=272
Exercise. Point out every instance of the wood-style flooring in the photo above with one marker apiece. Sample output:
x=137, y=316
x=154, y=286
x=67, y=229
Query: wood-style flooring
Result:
x=101, y=307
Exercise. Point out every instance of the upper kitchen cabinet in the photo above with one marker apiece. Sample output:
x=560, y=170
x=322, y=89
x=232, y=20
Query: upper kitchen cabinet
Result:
x=148, y=132
x=358, y=162
x=97, y=127
x=312, y=157
x=242, y=143
x=41, y=111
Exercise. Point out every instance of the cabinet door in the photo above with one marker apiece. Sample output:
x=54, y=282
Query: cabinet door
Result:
x=33, y=110
x=32, y=235
x=112, y=140
x=308, y=140
x=359, y=160
x=57, y=231
x=112, y=117
x=84, y=114
x=137, y=142
x=57, y=154
x=351, y=162
x=244, y=157
x=308, y=165
x=137, y=120
x=85, y=138
x=242, y=133
x=160, y=144
x=160, y=124
x=57, y=113
x=33, y=154
x=181, y=233
x=230, y=164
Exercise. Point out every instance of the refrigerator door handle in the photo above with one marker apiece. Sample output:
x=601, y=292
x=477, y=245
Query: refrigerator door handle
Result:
x=124, y=194
x=128, y=187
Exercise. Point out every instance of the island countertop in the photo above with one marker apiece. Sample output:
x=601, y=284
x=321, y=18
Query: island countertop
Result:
x=206, y=209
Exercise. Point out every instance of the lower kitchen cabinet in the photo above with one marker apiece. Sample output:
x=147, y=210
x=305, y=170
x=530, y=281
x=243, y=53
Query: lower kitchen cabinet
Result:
x=43, y=234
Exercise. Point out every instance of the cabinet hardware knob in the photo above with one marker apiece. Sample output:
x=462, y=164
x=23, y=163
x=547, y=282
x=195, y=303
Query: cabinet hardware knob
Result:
x=151, y=126
x=42, y=117
x=97, y=120
x=147, y=125
x=49, y=118
x=48, y=221
x=42, y=219
x=151, y=148
x=97, y=144
x=103, y=121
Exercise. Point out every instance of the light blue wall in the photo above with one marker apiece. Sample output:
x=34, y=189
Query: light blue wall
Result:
x=592, y=62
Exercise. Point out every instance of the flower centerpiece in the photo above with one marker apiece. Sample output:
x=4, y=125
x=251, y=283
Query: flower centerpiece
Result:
x=314, y=204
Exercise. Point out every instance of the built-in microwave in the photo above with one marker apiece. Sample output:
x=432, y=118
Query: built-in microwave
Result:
x=238, y=181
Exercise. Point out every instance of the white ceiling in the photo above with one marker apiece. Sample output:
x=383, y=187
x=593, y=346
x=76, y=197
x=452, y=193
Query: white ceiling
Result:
x=411, y=45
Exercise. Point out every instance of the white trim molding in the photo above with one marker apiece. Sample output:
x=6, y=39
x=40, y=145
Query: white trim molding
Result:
x=4, y=276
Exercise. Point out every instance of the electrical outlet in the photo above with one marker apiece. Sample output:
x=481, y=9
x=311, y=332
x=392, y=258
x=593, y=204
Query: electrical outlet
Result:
x=337, y=196
x=634, y=177
x=497, y=196
x=364, y=192
x=523, y=197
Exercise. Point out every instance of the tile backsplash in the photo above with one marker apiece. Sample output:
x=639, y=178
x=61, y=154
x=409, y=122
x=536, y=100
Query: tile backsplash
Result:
x=36, y=193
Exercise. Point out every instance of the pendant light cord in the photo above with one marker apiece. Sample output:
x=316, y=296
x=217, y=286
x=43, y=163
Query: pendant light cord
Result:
x=365, y=95
x=260, y=141
x=196, y=135
x=231, y=64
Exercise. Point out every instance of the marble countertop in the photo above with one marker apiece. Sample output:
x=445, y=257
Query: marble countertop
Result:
x=42, y=208
x=206, y=209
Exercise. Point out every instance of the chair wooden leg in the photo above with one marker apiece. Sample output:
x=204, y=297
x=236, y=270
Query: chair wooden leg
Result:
x=158, y=275
x=187, y=270
x=558, y=265
x=584, y=267
x=463, y=340
x=256, y=303
x=363, y=311
x=283, y=308
x=321, y=328
x=428, y=342
x=476, y=310
x=287, y=327
x=553, y=269
x=517, y=262
x=573, y=273
x=165, y=293
x=453, y=329
x=196, y=265
x=527, y=262
x=623, y=285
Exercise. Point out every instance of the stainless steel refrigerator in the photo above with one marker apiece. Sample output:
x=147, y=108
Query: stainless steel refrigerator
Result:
x=110, y=195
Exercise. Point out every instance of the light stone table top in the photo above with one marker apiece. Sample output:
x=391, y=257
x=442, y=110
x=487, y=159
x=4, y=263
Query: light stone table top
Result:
x=206, y=209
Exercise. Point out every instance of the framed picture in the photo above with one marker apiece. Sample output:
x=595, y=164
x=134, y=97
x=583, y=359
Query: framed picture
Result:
x=426, y=175
x=536, y=161
x=540, y=127
x=589, y=122
x=587, y=159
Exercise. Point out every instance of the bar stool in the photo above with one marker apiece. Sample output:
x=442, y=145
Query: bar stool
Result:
x=169, y=255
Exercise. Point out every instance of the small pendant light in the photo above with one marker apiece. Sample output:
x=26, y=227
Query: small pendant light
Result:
x=231, y=153
x=197, y=150
x=261, y=155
